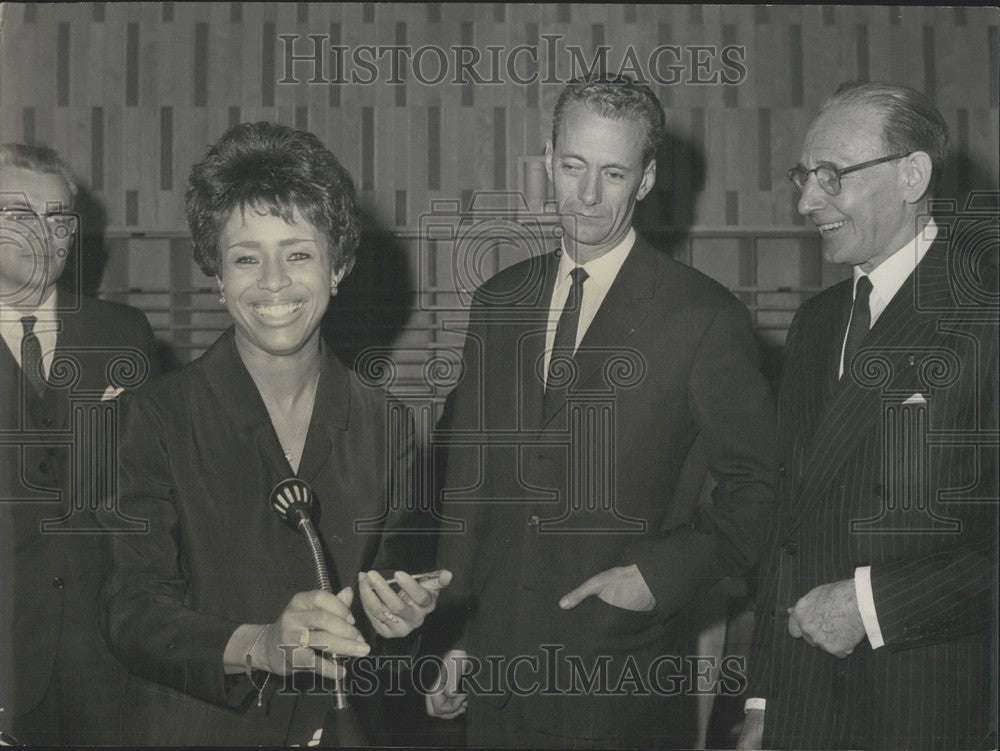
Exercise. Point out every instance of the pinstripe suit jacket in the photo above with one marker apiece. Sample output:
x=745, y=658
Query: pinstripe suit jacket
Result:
x=891, y=466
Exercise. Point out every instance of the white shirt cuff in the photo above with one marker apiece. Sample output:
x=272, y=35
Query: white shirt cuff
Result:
x=866, y=605
x=754, y=703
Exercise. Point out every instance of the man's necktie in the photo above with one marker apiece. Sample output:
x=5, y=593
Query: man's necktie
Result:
x=861, y=321
x=31, y=356
x=564, y=342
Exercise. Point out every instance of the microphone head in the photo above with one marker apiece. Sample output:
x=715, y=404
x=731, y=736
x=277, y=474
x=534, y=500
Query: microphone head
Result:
x=292, y=501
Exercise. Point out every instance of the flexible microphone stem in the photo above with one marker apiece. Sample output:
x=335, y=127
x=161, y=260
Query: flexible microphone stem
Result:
x=319, y=565
x=316, y=550
x=323, y=578
x=292, y=500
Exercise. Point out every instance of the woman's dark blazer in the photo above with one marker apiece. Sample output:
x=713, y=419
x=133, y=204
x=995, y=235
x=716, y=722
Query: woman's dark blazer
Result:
x=199, y=458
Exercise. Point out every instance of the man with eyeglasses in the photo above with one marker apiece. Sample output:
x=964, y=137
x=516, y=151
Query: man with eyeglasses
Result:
x=874, y=619
x=60, y=352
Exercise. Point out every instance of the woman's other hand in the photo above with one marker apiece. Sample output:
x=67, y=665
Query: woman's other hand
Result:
x=395, y=614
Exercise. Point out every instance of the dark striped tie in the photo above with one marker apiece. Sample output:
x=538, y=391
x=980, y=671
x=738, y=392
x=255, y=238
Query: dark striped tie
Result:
x=31, y=356
x=861, y=322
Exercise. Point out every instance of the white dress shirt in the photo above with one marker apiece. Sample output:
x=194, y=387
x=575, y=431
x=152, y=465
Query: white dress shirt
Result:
x=888, y=276
x=46, y=329
x=601, y=275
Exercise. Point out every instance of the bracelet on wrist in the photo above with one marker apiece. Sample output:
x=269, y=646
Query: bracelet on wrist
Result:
x=249, y=663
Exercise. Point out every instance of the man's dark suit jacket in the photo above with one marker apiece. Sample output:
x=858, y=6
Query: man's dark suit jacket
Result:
x=910, y=491
x=50, y=575
x=667, y=386
x=199, y=461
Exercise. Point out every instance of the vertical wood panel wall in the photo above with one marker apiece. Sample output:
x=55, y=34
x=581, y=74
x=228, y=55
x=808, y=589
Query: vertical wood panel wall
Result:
x=131, y=94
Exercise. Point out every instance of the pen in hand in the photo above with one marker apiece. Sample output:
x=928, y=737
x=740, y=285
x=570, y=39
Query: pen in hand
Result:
x=418, y=577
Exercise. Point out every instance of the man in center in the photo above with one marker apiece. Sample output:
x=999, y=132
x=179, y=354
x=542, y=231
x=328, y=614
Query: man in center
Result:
x=603, y=380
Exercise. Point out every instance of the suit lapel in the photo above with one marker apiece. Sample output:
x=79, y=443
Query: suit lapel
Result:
x=854, y=407
x=530, y=349
x=72, y=334
x=12, y=405
x=330, y=417
x=623, y=309
x=236, y=392
x=821, y=359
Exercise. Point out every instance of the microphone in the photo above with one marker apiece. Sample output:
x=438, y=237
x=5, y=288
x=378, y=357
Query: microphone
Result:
x=292, y=501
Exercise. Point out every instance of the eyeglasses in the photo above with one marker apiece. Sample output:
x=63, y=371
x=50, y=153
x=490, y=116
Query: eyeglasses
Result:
x=61, y=225
x=828, y=176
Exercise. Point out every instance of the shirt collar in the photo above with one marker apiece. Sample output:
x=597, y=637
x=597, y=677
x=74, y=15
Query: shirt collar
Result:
x=10, y=317
x=603, y=270
x=888, y=276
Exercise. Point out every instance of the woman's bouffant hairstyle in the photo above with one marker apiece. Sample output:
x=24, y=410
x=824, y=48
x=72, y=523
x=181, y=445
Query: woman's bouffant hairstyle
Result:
x=269, y=166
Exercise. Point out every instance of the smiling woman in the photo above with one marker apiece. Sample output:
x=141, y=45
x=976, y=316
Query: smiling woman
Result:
x=274, y=218
x=279, y=280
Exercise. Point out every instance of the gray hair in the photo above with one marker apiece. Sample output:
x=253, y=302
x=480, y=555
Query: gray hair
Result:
x=37, y=159
x=911, y=123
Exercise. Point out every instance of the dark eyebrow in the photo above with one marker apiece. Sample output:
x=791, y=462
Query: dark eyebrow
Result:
x=281, y=243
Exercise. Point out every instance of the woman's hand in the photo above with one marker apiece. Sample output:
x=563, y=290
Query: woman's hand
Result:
x=318, y=621
x=395, y=614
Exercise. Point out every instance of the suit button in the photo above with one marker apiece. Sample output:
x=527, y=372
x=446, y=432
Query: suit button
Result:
x=782, y=470
x=43, y=468
x=533, y=520
x=789, y=547
x=58, y=582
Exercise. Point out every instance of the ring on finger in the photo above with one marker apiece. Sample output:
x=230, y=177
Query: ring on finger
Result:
x=389, y=617
x=304, y=639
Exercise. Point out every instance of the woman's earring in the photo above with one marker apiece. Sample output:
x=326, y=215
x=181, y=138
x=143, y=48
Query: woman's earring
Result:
x=333, y=289
x=222, y=295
